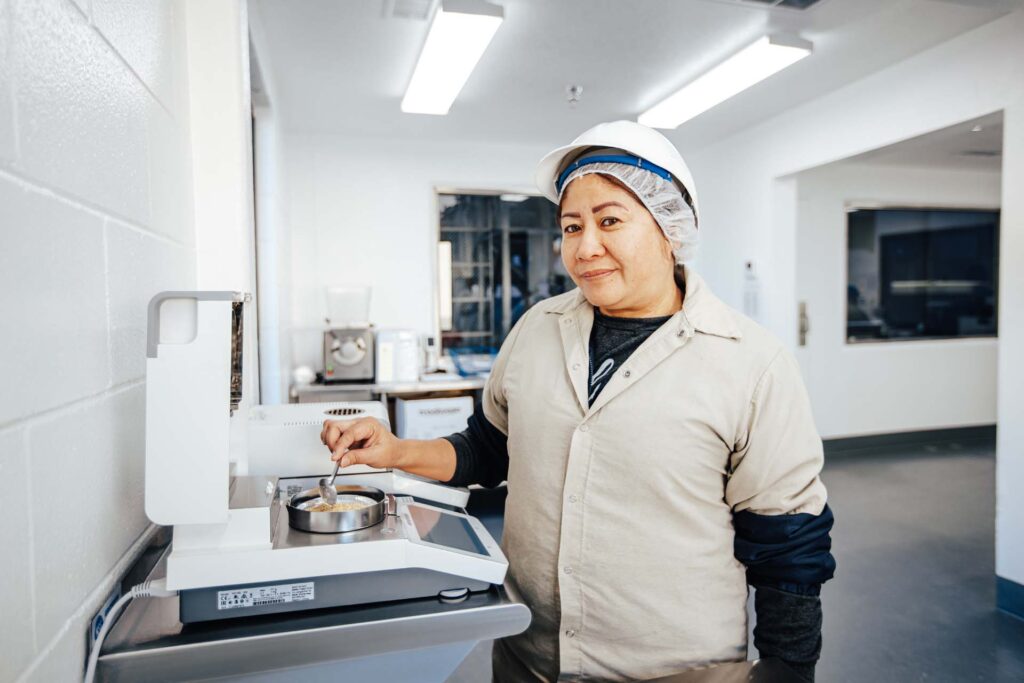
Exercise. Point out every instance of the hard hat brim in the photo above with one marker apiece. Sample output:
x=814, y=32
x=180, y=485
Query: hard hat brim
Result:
x=548, y=168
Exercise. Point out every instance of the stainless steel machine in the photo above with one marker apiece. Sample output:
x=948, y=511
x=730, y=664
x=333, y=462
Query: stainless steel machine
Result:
x=349, y=354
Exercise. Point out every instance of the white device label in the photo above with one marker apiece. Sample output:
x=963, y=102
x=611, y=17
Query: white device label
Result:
x=264, y=595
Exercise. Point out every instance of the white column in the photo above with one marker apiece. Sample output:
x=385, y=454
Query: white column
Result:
x=1010, y=440
x=221, y=138
x=221, y=143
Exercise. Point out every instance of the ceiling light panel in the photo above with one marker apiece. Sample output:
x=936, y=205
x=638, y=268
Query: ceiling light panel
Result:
x=459, y=34
x=752, y=64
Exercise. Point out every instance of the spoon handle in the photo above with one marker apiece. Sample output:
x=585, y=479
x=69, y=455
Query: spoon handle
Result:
x=336, y=466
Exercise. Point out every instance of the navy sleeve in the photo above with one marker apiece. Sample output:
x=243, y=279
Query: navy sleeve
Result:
x=788, y=552
x=481, y=452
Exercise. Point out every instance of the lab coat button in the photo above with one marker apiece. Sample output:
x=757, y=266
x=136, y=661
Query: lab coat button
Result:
x=584, y=428
x=568, y=570
x=626, y=374
x=573, y=498
x=570, y=634
x=576, y=366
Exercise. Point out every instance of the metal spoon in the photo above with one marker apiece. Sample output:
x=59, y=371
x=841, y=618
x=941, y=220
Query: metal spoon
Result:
x=328, y=493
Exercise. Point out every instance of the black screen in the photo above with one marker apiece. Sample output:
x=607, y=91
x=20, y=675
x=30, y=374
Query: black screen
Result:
x=450, y=531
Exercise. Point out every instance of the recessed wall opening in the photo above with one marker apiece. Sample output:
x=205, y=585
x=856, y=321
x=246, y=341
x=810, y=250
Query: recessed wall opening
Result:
x=901, y=244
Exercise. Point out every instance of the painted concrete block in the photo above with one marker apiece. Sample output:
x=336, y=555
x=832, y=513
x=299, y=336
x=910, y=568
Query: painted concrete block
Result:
x=142, y=32
x=81, y=112
x=170, y=178
x=52, y=303
x=7, y=132
x=83, y=7
x=139, y=266
x=16, y=637
x=65, y=661
x=100, y=447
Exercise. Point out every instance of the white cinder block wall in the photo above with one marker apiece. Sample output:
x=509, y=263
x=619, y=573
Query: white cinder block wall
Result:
x=95, y=217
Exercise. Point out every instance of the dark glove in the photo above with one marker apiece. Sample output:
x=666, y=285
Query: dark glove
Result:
x=789, y=628
x=804, y=670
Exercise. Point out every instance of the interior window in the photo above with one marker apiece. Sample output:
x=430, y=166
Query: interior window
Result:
x=921, y=274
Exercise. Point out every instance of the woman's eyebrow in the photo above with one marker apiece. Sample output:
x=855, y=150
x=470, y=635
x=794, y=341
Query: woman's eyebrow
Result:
x=605, y=205
x=596, y=209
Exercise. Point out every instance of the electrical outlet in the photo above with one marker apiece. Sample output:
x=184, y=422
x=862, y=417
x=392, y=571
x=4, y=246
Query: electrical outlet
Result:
x=101, y=615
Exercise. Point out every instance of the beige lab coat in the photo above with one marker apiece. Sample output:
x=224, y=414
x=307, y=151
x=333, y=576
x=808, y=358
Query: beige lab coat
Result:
x=618, y=525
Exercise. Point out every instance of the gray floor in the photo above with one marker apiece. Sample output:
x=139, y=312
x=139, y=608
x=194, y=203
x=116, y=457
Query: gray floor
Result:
x=914, y=593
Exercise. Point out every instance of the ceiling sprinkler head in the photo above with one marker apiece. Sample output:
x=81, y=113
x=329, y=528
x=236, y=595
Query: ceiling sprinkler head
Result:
x=573, y=93
x=977, y=129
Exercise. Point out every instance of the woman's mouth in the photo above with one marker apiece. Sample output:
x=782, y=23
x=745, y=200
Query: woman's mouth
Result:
x=592, y=275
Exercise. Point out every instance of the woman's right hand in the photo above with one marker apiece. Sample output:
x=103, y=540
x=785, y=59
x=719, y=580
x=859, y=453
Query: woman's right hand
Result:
x=364, y=442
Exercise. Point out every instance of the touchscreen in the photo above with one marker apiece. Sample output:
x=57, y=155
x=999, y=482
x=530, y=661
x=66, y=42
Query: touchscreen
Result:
x=450, y=531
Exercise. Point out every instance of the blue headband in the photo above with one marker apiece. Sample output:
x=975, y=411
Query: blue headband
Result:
x=613, y=159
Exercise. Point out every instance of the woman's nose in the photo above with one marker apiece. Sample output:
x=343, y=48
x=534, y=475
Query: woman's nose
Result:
x=590, y=244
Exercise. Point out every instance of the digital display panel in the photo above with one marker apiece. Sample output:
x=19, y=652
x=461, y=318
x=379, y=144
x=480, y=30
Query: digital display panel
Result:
x=450, y=531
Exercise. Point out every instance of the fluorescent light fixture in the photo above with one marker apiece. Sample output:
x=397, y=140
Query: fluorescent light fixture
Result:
x=750, y=65
x=459, y=33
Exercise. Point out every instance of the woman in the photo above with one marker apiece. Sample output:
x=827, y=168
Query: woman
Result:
x=659, y=447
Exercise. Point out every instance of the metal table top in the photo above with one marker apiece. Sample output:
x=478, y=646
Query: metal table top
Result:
x=149, y=643
x=422, y=386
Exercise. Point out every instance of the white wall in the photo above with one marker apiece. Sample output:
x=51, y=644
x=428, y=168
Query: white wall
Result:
x=221, y=144
x=273, y=234
x=365, y=212
x=96, y=215
x=885, y=387
x=974, y=74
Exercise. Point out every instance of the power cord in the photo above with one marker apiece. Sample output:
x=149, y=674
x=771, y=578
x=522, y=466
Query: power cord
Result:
x=147, y=589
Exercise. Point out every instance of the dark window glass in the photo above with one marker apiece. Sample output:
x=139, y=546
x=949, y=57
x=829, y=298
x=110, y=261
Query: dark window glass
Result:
x=920, y=273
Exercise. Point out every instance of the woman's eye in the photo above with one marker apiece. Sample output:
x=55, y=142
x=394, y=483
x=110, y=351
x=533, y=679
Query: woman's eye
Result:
x=569, y=229
x=609, y=221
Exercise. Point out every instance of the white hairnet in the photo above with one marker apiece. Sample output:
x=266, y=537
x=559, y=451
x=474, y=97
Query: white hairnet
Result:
x=662, y=199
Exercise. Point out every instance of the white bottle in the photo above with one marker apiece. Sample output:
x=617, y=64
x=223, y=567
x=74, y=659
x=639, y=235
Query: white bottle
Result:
x=398, y=356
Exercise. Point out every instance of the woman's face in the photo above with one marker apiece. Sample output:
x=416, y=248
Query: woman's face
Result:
x=614, y=250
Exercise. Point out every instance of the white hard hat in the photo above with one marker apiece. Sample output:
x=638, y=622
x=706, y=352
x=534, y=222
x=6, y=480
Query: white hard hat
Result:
x=646, y=143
